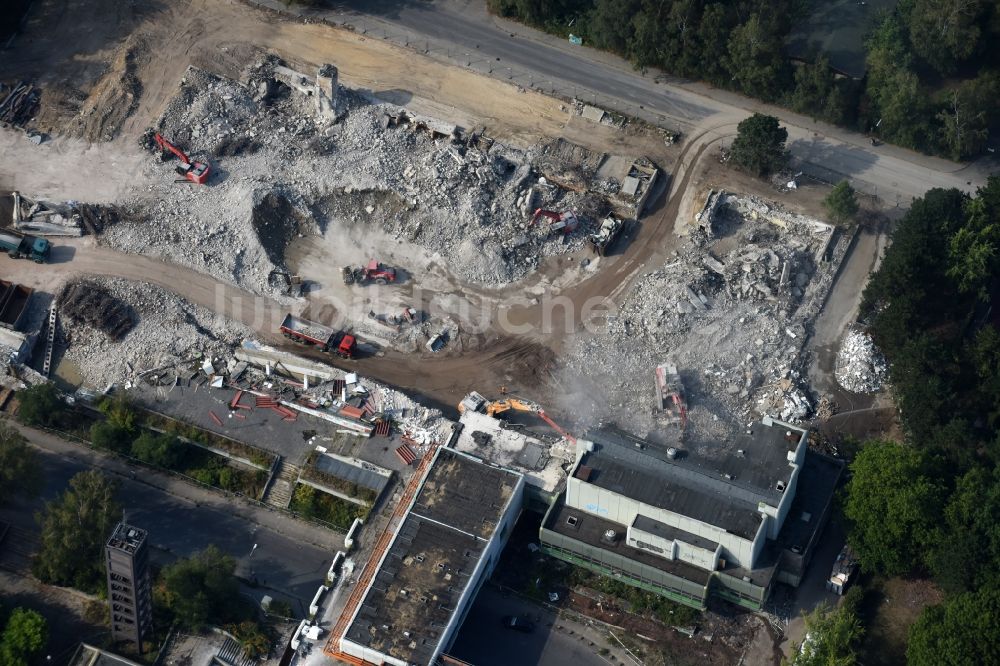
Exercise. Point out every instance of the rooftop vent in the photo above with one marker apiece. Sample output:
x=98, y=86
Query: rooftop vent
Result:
x=610, y=535
x=780, y=486
x=728, y=476
x=672, y=453
x=572, y=521
x=740, y=452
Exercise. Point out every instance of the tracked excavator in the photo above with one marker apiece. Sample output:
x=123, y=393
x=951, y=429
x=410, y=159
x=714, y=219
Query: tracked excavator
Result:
x=477, y=403
x=192, y=170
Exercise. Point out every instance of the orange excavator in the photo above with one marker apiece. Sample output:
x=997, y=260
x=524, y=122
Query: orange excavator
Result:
x=192, y=170
x=476, y=402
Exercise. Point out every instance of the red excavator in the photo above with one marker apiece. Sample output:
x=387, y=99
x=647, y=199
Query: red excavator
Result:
x=565, y=222
x=196, y=172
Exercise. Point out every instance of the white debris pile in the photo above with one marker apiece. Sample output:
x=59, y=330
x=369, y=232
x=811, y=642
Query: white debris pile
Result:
x=167, y=330
x=470, y=200
x=732, y=312
x=861, y=367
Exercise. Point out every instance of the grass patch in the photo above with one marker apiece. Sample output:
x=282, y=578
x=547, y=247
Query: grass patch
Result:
x=349, y=488
x=313, y=503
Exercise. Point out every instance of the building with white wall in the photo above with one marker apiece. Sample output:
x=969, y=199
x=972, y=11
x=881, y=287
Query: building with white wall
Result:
x=446, y=546
x=687, y=526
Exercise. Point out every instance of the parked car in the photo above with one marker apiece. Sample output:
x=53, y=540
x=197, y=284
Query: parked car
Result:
x=518, y=624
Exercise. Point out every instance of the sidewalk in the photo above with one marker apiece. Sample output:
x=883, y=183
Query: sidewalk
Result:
x=278, y=522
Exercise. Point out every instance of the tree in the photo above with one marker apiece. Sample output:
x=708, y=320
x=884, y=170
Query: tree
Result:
x=944, y=32
x=202, y=589
x=252, y=638
x=832, y=637
x=24, y=636
x=962, y=631
x=40, y=405
x=755, y=58
x=967, y=551
x=974, y=250
x=968, y=111
x=842, y=203
x=19, y=471
x=162, y=450
x=893, y=508
x=759, y=146
x=75, y=527
x=106, y=435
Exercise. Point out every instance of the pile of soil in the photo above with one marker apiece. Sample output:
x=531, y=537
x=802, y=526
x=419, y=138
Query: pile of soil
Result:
x=113, y=99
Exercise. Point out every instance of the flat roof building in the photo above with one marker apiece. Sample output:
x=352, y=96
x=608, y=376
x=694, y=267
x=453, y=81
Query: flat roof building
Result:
x=447, y=544
x=687, y=525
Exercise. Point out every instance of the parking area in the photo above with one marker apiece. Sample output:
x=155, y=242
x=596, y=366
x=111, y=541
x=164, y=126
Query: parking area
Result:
x=484, y=641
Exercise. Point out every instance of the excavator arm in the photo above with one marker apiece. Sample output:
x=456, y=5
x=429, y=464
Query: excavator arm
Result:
x=501, y=406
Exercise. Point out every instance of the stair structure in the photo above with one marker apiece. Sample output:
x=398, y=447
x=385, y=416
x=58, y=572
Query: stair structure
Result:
x=279, y=493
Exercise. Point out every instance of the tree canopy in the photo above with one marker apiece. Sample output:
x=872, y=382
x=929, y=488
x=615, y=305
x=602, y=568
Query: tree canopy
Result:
x=75, y=527
x=23, y=637
x=40, y=405
x=892, y=504
x=931, y=68
x=831, y=638
x=842, y=203
x=19, y=471
x=202, y=590
x=964, y=630
x=759, y=146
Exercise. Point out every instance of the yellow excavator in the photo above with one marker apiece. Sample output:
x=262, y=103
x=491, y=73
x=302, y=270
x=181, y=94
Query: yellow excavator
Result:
x=477, y=403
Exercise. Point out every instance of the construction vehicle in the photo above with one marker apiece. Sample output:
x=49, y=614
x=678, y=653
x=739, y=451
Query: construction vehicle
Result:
x=565, y=222
x=192, y=170
x=605, y=237
x=374, y=272
x=477, y=403
x=18, y=245
x=670, y=395
x=328, y=339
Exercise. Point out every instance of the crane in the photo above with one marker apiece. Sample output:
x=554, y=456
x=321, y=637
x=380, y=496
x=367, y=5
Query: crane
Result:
x=476, y=402
x=196, y=172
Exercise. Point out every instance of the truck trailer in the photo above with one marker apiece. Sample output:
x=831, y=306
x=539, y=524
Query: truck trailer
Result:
x=328, y=339
x=18, y=245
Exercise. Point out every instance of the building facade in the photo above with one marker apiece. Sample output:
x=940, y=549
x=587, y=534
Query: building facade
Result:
x=129, y=589
x=688, y=527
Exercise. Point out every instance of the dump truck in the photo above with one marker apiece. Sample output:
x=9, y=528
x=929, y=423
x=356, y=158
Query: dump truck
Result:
x=328, y=339
x=18, y=245
x=604, y=238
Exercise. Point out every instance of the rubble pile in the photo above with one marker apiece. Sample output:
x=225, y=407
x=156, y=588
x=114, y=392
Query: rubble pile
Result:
x=732, y=312
x=469, y=199
x=166, y=330
x=861, y=367
x=87, y=304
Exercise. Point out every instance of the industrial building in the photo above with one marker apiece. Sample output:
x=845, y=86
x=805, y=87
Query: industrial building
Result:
x=129, y=588
x=689, y=526
x=448, y=543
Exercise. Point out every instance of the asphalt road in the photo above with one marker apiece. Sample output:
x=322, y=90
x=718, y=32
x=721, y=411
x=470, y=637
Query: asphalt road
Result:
x=463, y=31
x=177, y=528
x=483, y=640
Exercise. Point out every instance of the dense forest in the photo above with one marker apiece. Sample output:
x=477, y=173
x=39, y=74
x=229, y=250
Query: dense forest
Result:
x=933, y=69
x=930, y=506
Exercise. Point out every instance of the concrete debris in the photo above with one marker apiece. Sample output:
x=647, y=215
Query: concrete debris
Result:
x=165, y=330
x=720, y=310
x=18, y=103
x=467, y=198
x=41, y=219
x=861, y=367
